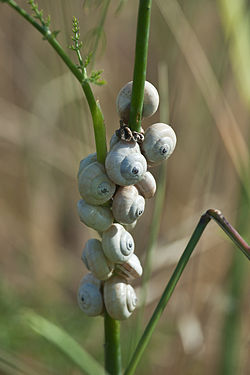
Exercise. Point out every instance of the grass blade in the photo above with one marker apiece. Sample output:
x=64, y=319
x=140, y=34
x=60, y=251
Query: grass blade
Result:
x=64, y=342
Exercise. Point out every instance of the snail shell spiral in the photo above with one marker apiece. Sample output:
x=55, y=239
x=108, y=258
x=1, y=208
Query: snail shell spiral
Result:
x=125, y=165
x=96, y=217
x=94, y=185
x=94, y=259
x=150, y=102
x=119, y=298
x=159, y=143
x=118, y=244
x=128, y=205
x=89, y=296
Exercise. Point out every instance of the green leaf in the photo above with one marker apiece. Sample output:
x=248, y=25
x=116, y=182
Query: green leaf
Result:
x=63, y=341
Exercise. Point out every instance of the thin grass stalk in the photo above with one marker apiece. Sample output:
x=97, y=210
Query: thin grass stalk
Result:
x=140, y=65
x=159, y=200
x=204, y=220
x=113, y=360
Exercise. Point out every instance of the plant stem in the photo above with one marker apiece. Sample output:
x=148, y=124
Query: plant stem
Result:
x=140, y=66
x=113, y=363
x=96, y=113
x=204, y=220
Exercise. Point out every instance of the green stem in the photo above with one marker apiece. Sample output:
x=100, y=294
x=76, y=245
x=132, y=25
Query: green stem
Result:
x=140, y=67
x=204, y=220
x=113, y=363
x=96, y=113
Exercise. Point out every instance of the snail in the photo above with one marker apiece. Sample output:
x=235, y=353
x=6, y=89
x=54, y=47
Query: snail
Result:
x=147, y=186
x=91, y=158
x=150, y=102
x=159, y=143
x=96, y=217
x=89, y=296
x=128, y=205
x=119, y=298
x=94, y=185
x=118, y=244
x=131, y=269
x=125, y=165
x=94, y=259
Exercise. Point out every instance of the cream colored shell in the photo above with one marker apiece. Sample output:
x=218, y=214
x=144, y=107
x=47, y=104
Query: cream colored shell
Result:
x=94, y=259
x=96, y=217
x=128, y=205
x=94, y=185
x=150, y=102
x=132, y=269
x=119, y=298
x=118, y=244
x=125, y=165
x=159, y=143
x=89, y=296
x=147, y=186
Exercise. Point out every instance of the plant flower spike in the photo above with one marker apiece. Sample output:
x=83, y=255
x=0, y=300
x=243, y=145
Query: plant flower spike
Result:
x=114, y=187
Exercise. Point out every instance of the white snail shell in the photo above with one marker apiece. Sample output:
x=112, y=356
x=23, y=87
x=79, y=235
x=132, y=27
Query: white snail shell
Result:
x=94, y=185
x=130, y=227
x=91, y=158
x=125, y=165
x=118, y=244
x=119, y=298
x=132, y=269
x=89, y=296
x=147, y=186
x=96, y=217
x=150, y=102
x=94, y=259
x=159, y=143
x=128, y=205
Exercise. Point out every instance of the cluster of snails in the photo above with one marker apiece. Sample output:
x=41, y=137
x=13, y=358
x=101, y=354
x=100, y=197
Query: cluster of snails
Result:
x=113, y=198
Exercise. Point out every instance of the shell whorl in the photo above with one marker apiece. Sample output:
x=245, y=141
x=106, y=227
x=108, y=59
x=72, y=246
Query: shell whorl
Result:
x=91, y=158
x=128, y=205
x=89, y=296
x=118, y=244
x=94, y=185
x=94, y=259
x=132, y=269
x=125, y=165
x=159, y=143
x=147, y=186
x=119, y=298
x=150, y=102
x=96, y=217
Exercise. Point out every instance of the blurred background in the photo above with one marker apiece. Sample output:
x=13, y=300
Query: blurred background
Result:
x=199, y=55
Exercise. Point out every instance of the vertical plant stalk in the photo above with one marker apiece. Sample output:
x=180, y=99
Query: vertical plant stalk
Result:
x=140, y=66
x=204, y=220
x=113, y=363
x=159, y=201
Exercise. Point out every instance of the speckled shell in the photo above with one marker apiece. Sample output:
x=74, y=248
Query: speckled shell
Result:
x=94, y=259
x=119, y=298
x=147, y=186
x=91, y=158
x=132, y=269
x=94, y=185
x=118, y=244
x=125, y=165
x=128, y=205
x=159, y=143
x=150, y=102
x=96, y=217
x=89, y=296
